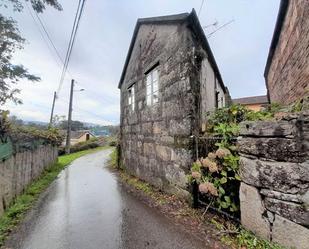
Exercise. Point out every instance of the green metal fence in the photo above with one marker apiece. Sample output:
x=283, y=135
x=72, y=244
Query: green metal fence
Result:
x=6, y=148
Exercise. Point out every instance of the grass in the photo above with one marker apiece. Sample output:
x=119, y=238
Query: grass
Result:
x=250, y=241
x=134, y=181
x=238, y=237
x=230, y=234
x=15, y=213
x=113, y=159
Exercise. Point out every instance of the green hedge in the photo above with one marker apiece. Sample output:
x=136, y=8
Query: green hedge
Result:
x=90, y=144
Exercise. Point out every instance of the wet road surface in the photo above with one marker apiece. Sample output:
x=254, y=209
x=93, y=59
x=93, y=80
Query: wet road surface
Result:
x=85, y=208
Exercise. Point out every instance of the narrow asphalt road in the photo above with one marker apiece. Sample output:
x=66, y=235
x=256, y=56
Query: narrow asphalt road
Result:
x=85, y=208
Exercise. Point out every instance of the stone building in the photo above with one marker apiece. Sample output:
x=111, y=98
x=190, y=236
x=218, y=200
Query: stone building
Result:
x=287, y=68
x=169, y=81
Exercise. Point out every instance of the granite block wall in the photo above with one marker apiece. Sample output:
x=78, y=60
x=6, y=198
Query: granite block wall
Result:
x=274, y=193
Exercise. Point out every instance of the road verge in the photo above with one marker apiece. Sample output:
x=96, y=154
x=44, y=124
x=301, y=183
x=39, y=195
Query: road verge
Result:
x=214, y=230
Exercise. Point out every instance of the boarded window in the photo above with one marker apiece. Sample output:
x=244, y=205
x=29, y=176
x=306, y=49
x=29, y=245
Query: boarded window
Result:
x=152, y=87
x=131, y=97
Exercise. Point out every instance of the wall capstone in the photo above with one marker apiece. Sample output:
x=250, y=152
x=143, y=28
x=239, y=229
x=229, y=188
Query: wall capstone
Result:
x=274, y=167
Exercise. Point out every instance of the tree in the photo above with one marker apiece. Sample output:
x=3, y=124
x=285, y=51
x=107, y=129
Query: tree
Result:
x=10, y=41
x=57, y=120
x=75, y=125
x=37, y=5
x=16, y=121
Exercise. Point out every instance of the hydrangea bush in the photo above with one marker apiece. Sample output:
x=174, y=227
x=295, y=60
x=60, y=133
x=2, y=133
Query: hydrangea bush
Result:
x=217, y=173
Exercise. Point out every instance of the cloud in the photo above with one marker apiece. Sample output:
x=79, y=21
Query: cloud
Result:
x=102, y=43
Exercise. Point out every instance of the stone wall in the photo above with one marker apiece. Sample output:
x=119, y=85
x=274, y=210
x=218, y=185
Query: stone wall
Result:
x=274, y=193
x=288, y=74
x=155, y=140
x=21, y=169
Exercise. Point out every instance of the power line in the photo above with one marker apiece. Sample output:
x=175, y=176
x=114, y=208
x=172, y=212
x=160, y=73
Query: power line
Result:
x=48, y=36
x=199, y=12
x=42, y=35
x=102, y=98
x=83, y=110
x=77, y=18
x=68, y=49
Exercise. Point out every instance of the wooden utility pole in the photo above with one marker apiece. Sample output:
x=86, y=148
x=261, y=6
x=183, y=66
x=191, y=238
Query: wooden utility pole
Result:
x=52, y=110
x=68, y=140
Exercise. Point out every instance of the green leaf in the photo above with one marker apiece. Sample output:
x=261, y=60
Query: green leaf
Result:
x=224, y=204
x=233, y=207
x=227, y=199
x=221, y=190
x=223, y=172
x=237, y=177
x=223, y=180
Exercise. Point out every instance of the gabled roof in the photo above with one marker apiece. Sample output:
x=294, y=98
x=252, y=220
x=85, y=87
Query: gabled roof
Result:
x=193, y=22
x=251, y=100
x=284, y=4
x=77, y=134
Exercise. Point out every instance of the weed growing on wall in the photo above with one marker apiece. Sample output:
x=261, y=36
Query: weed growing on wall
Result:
x=217, y=173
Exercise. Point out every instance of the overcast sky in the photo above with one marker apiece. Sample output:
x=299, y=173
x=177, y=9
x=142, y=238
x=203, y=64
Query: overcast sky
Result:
x=102, y=43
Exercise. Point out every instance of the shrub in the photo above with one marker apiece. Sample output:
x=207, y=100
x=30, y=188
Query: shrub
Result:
x=90, y=144
x=218, y=172
x=113, y=143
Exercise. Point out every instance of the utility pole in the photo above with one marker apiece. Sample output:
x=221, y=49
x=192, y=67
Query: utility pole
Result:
x=52, y=110
x=68, y=140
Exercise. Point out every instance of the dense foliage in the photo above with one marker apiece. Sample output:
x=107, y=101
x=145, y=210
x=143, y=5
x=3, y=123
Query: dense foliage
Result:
x=51, y=135
x=21, y=132
x=75, y=125
x=90, y=144
x=217, y=173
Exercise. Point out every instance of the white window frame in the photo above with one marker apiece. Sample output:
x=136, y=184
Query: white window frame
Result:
x=131, y=97
x=152, y=87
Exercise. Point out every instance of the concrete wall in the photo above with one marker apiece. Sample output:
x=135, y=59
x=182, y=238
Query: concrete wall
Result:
x=21, y=169
x=274, y=193
x=288, y=75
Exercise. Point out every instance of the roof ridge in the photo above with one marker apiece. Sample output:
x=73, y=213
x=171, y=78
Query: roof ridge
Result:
x=190, y=17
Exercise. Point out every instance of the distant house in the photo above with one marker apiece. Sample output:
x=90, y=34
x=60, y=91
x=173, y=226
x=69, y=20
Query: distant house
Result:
x=79, y=136
x=255, y=103
x=287, y=68
x=169, y=81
